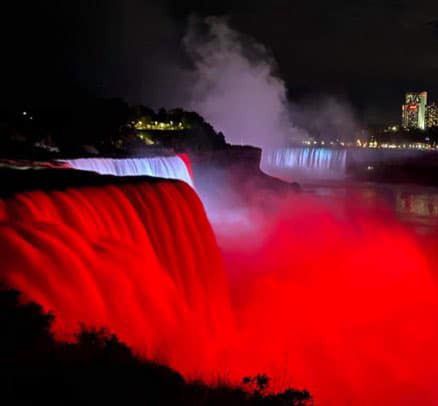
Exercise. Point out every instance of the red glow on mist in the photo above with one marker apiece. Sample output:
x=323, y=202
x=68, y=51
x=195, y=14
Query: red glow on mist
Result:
x=339, y=300
x=341, y=305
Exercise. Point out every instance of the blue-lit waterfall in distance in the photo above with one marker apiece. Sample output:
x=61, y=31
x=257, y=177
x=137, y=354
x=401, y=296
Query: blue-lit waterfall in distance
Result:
x=168, y=167
x=305, y=162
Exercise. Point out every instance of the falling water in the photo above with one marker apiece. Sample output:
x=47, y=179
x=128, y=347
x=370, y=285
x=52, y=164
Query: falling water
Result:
x=340, y=303
x=169, y=167
x=140, y=259
x=307, y=162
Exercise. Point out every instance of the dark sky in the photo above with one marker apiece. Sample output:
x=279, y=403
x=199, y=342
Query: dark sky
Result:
x=367, y=52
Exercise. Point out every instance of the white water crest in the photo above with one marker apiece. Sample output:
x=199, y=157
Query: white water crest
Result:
x=168, y=167
x=305, y=162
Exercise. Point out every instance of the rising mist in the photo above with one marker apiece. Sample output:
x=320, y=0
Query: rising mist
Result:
x=236, y=88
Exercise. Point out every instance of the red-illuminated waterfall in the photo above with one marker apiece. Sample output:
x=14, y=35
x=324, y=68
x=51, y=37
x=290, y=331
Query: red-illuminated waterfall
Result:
x=343, y=306
x=140, y=259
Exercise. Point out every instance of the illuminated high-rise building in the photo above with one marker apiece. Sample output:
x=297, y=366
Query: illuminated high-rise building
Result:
x=432, y=115
x=414, y=110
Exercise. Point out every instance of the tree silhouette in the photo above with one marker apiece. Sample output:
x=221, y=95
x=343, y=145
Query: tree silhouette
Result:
x=97, y=368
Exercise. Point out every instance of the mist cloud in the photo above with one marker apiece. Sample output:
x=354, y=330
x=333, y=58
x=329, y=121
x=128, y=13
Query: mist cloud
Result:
x=235, y=87
x=227, y=77
x=327, y=118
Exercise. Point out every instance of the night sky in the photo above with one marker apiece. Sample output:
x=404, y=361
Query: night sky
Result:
x=366, y=52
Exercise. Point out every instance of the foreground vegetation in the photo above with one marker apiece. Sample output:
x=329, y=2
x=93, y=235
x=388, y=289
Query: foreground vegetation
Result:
x=98, y=368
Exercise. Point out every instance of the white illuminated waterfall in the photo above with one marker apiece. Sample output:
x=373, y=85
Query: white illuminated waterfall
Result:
x=309, y=162
x=168, y=167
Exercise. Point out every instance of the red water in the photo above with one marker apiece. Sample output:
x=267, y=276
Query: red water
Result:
x=140, y=259
x=188, y=163
x=341, y=302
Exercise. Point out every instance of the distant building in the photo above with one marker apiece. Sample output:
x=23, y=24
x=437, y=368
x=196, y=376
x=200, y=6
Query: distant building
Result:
x=432, y=115
x=414, y=110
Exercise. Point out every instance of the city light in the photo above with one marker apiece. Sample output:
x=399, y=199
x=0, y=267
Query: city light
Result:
x=158, y=125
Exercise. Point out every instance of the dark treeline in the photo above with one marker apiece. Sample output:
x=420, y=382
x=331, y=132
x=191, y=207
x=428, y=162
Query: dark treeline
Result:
x=85, y=125
x=99, y=369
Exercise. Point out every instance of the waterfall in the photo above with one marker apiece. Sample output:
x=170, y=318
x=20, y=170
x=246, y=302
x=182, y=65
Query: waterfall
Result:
x=139, y=258
x=169, y=167
x=342, y=305
x=306, y=162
